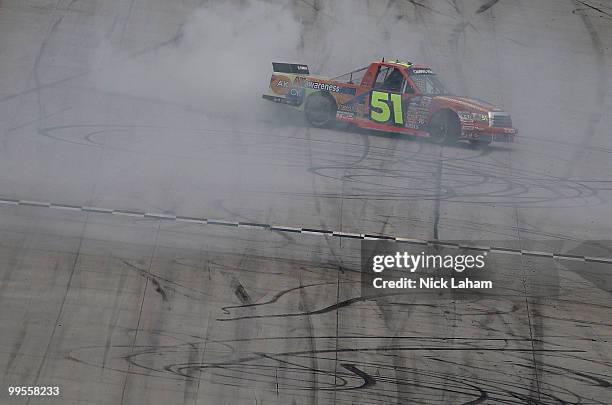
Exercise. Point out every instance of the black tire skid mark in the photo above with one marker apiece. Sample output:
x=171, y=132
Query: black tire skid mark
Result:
x=42, y=86
x=335, y=307
x=240, y=292
x=453, y=42
x=486, y=383
x=552, y=188
x=486, y=6
x=388, y=156
x=72, y=355
x=328, y=242
x=579, y=376
x=592, y=7
x=221, y=204
x=495, y=389
x=282, y=244
x=97, y=129
x=88, y=139
x=275, y=297
x=236, y=374
x=577, y=156
x=383, y=161
x=185, y=369
x=487, y=165
x=570, y=145
x=595, y=379
x=326, y=309
x=51, y=28
x=600, y=92
x=168, y=284
x=422, y=5
x=492, y=166
x=299, y=264
x=312, y=341
x=48, y=132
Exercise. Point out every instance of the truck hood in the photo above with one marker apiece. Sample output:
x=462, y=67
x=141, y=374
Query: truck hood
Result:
x=466, y=104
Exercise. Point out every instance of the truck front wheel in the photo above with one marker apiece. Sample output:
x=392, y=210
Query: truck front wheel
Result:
x=320, y=109
x=444, y=127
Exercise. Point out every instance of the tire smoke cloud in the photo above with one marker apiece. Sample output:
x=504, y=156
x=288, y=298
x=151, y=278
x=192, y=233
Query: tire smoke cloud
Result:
x=219, y=63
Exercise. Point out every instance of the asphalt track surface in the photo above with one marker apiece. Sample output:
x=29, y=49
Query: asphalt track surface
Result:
x=153, y=253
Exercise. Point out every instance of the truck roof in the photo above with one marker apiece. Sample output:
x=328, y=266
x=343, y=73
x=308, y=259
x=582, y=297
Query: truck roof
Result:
x=406, y=64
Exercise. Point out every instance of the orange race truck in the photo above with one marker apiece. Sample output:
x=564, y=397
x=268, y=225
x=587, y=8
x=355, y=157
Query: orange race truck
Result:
x=390, y=96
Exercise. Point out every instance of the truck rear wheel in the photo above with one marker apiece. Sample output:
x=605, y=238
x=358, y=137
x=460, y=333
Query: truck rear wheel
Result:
x=480, y=142
x=444, y=127
x=320, y=109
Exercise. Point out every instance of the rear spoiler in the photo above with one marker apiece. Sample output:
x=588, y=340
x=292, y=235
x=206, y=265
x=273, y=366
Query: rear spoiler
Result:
x=294, y=68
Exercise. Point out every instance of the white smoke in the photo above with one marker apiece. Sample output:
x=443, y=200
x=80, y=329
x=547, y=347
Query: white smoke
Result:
x=219, y=64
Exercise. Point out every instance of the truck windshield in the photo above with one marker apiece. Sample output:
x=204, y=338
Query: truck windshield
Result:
x=429, y=84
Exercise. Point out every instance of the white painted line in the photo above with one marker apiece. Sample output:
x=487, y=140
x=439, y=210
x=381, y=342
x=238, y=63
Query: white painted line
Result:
x=97, y=209
x=568, y=257
x=253, y=226
x=34, y=203
x=536, y=253
x=282, y=228
x=66, y=207
x=200, y=221
x=444, y=244
x=505, y=251
x=379, y=237
x=221, y=222
x=597, y=259
x=128, y=213
x=348, y=235
x=160, y=216
x=413, y=241
x=316, y=232
x=475, y=247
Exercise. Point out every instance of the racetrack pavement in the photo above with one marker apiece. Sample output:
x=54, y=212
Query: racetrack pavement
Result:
x=125, y=303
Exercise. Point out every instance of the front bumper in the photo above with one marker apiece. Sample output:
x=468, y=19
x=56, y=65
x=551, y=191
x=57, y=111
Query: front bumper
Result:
x=488, y=134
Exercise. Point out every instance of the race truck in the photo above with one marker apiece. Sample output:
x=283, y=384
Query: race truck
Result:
x=397, y=97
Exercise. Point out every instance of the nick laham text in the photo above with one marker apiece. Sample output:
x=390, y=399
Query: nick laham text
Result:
x=435, y=283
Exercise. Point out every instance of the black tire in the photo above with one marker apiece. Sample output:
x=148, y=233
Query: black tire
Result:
x=479, y=143
x=320, y=109
x=444, y=128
